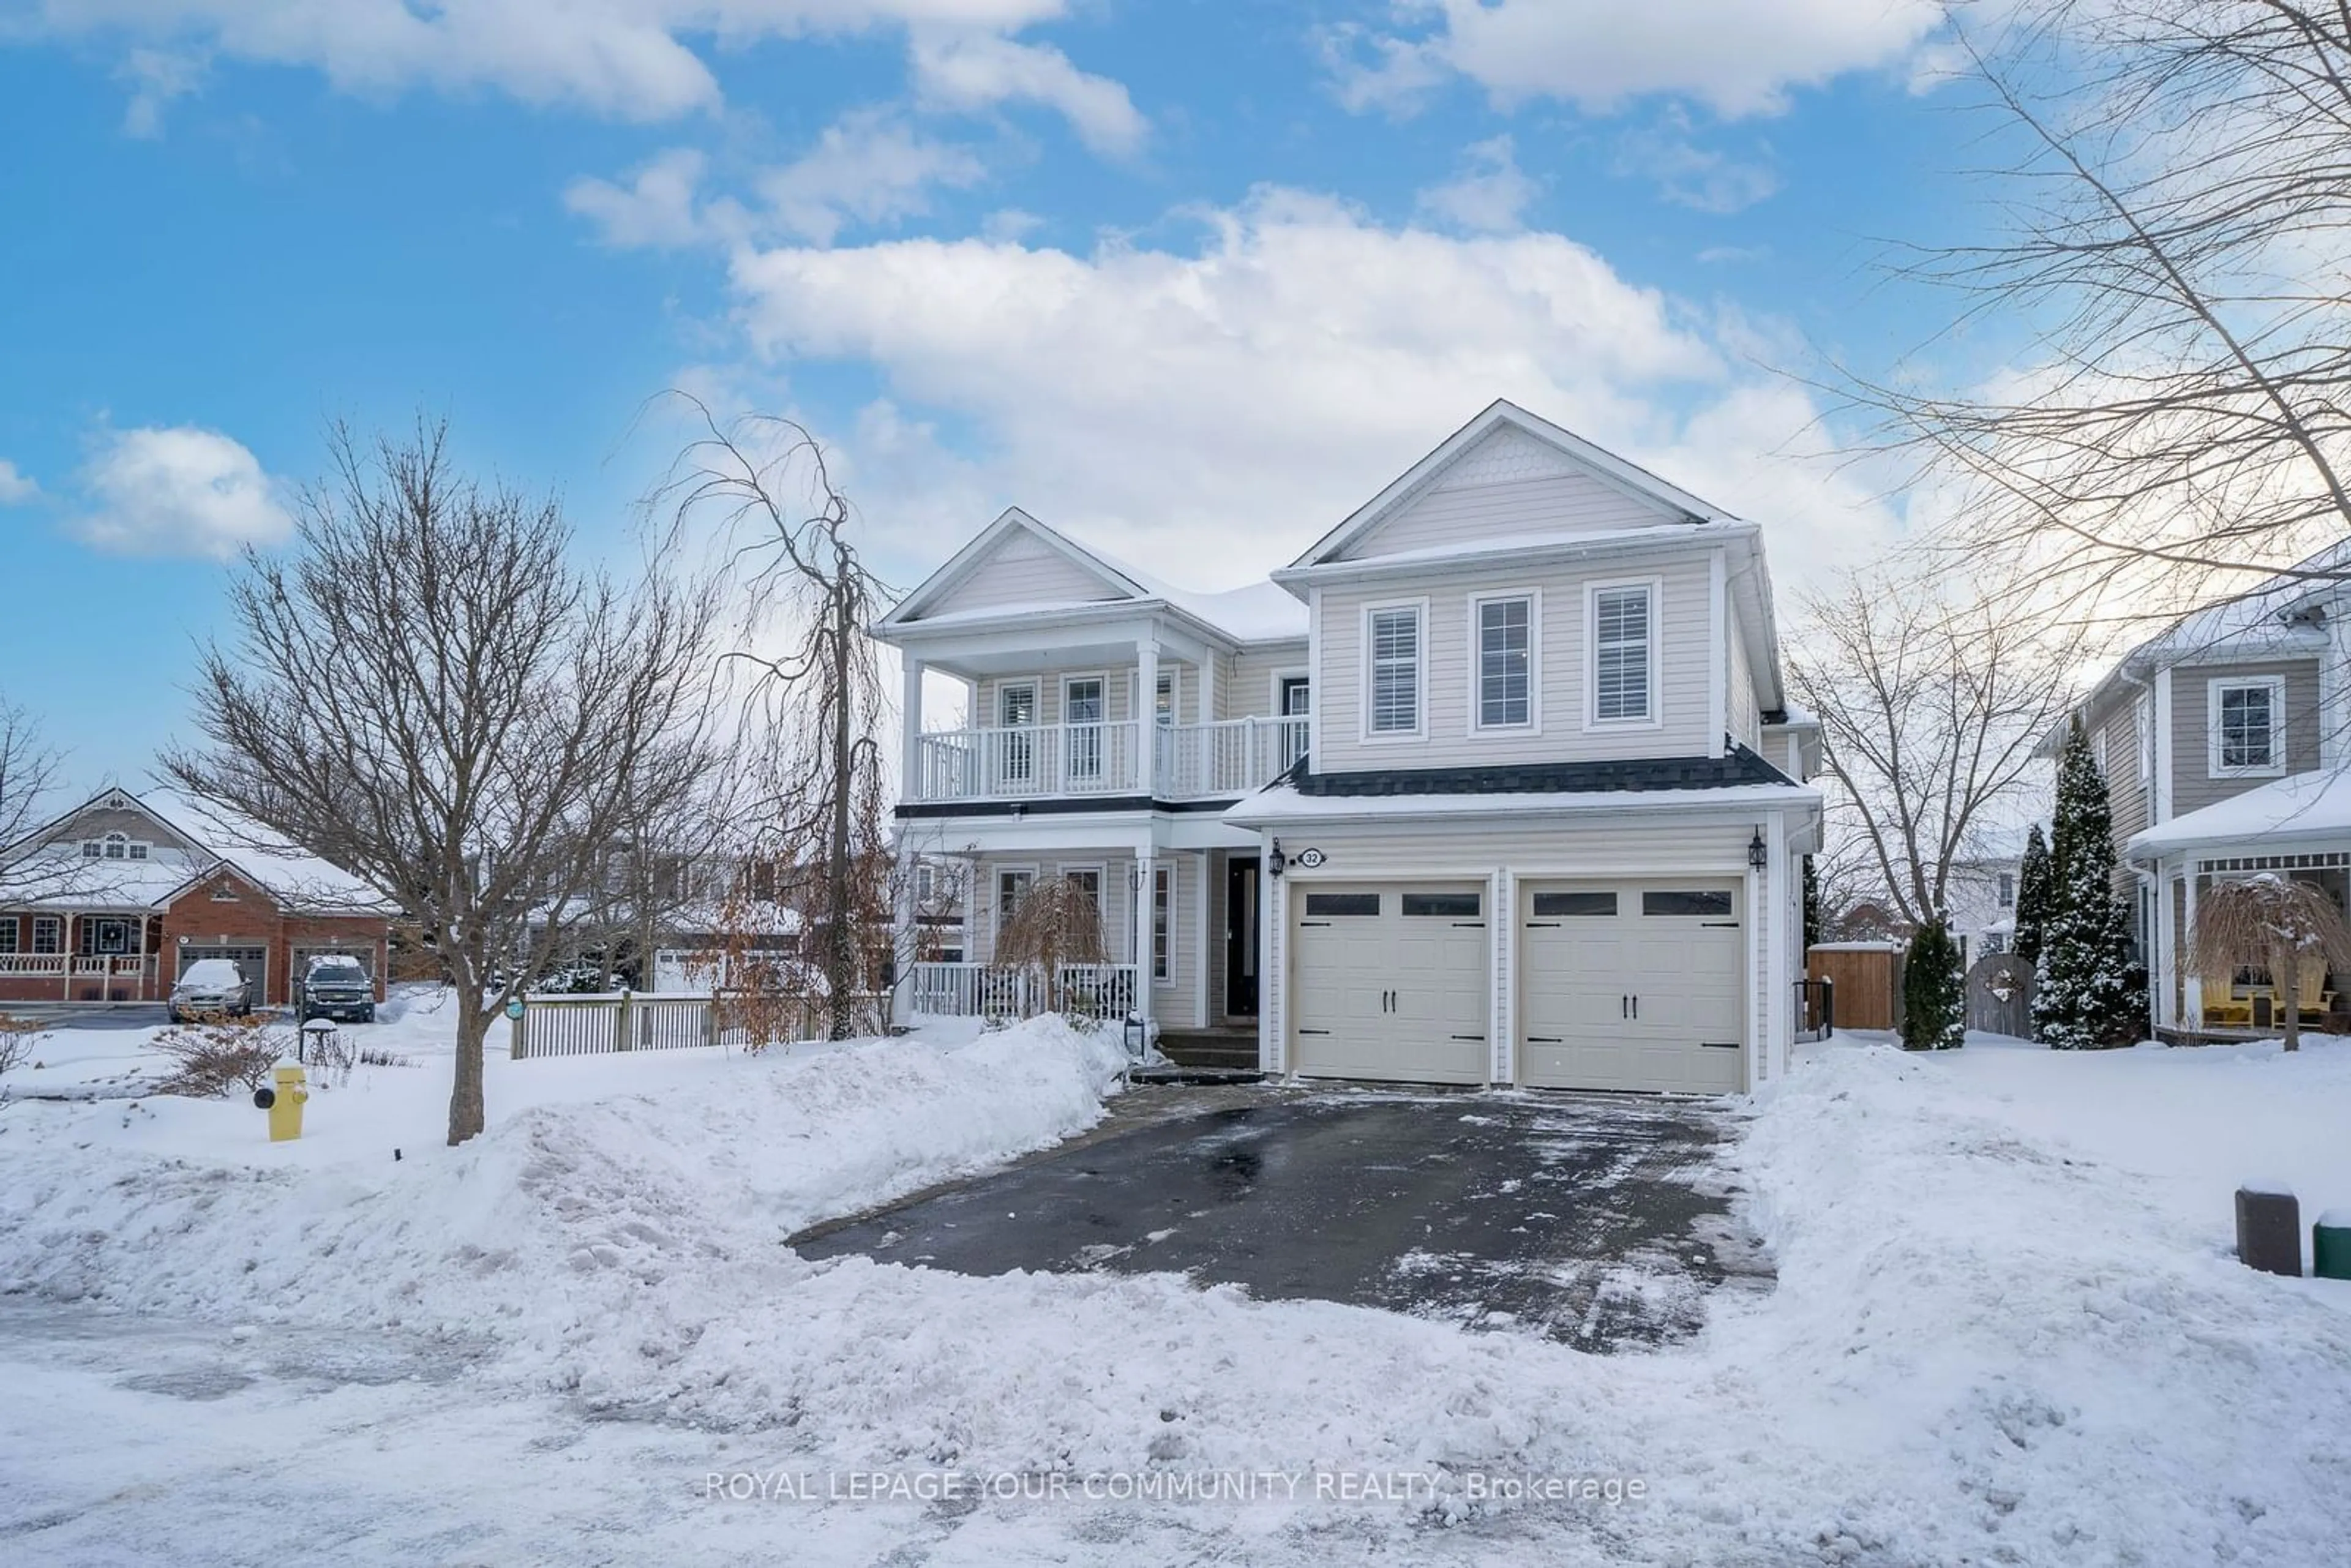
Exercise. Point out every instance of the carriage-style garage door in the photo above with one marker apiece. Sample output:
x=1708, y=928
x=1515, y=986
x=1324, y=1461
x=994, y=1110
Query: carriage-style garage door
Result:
x=1391, y=981
x=1632, y=986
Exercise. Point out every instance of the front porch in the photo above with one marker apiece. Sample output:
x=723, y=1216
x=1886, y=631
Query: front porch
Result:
x=2298, y=828
x=1220, y=760
x=81, y=956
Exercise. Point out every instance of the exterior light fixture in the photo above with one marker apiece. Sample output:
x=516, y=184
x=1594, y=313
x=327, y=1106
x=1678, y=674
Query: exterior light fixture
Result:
x=1275, y=860
x=1759, y=854
x=1135, y=1036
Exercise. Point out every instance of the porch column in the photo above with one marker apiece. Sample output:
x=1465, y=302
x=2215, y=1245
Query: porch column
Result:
x=2164, y=960
x=2191, y=983
x=1145, y=928
x=1208, y=699
x=66, y=951
x=1146, y=728
x=142, y=951
x=910, y=711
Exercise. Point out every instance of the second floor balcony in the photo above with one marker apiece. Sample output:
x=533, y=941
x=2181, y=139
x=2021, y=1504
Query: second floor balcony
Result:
x=1223, y=761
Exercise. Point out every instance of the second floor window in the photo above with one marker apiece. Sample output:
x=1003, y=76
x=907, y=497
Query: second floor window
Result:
x=2007, y=890
x=1395, y=639
x=1620, y=653
x=2245, y=723
x=1505, y=662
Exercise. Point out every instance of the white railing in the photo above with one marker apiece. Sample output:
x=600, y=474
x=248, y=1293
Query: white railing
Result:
x=984, y=991
x=1032, y=760
x=54, y=966
x=1229, y=758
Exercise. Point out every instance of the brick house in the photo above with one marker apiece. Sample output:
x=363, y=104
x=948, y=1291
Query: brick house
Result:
x=113, y=899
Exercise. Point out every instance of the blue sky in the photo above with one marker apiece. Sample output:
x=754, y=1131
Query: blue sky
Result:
x=1192, y=278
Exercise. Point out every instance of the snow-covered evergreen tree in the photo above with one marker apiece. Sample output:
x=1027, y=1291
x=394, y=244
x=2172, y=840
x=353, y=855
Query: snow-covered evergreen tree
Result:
x=2092, y=993
x=1934, y=992
x=1811, y=906
x=2035, y=887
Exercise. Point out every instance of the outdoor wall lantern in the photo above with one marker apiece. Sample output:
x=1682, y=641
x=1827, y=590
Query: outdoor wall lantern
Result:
x=1759, y=855
x=1134, y=1035
x=1276, y=860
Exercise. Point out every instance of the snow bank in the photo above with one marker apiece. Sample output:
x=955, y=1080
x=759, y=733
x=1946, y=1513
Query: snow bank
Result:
x=566, y=1222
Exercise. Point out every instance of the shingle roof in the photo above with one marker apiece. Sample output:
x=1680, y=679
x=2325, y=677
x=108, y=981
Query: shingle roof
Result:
x=1740, y=767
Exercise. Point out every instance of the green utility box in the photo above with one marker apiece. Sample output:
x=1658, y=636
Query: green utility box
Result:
x=2330, y=1245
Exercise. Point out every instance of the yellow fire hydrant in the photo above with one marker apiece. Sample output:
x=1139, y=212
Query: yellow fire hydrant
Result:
x=284, y=1103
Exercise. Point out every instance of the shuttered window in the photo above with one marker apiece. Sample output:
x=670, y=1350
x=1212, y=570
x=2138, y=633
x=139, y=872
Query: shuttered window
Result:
x=1620, y=658
x=1394, y=636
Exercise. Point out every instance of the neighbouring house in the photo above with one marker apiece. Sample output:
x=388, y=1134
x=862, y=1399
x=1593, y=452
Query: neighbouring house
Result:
x=1507, y=746
x=1978, y=899
x=2223, y=741
x=113, y=899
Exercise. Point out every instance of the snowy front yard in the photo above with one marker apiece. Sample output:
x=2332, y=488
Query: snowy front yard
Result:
x=2007, y=1329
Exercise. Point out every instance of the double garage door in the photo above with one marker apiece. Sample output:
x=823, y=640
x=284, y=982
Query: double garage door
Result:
x=1621, y=984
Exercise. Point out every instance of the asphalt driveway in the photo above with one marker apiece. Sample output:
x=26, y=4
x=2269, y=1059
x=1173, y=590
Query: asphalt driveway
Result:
x=1601, y=1220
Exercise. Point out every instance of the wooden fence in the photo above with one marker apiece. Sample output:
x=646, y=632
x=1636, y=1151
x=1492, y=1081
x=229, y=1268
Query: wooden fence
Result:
x=1868, y=980
x=564, y=1024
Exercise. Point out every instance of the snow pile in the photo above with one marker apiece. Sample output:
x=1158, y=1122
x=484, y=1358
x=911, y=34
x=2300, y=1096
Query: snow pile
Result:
x=565, y=1223
x=2006, y=1326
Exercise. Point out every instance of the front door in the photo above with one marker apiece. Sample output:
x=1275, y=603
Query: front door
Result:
x=1240, y=936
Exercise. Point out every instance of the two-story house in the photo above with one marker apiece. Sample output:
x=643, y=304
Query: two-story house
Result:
x=2222, y=739
x=1494, y=783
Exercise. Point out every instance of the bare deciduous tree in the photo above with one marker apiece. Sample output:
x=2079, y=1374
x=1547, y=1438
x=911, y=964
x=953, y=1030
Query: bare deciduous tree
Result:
x=2268, y=921
x=2179, y=185
x=820, y=703
x=1929, y=712
x=28, y=773
x=1056, y=925
x=428, y=694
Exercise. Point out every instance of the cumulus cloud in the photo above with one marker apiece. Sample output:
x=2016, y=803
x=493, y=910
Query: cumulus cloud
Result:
x=179, y=491
x=1489, y=195
x=621, y=57
x=1223, y=402
x=970, y=71
x=156, y=77
x=16, y=485
x=1736, y=55
x=869, y=167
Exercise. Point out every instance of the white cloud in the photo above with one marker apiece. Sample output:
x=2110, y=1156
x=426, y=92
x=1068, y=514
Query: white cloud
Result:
x=179, y=491
x=869, y=167
x=156, y=78
x=971, y=72
x=1489, y=195
x=1210, y=410
x=16, y=485
x=623, y=58
x=1690, y=175
x=1737, y=56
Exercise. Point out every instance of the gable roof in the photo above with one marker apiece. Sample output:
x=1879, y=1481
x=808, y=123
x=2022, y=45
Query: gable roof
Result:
x=293, y=877
x=1257, y=612
x=1630, y=479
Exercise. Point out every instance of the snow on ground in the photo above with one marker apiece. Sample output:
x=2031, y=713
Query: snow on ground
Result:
x=2006, y=1330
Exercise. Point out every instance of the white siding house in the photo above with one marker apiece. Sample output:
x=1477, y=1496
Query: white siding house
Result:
x=1494, y=783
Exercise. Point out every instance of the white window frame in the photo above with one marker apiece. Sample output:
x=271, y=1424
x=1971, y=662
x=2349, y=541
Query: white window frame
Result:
x=1104, y=744
x=1068, y=870
x=1024, y=774
x=1419, y=730
x=1280, y=678
x=2143, y=734
x=55, y=934
x=1655, y=718
x=2004, y=889
x=996, y=908
x=925, y=884
x=1477, y=661
x=11, y=935
x=1163, y=924
x=1036, y=701
x=2212, y=690
x=1173, y=675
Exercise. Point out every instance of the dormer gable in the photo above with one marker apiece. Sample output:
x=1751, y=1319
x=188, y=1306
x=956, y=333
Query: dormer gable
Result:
x=1504, y=476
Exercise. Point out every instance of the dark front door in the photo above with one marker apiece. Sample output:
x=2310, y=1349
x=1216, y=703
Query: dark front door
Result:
x=1240, y=936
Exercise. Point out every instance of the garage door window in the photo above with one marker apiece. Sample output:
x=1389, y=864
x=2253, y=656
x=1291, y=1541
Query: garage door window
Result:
x=1560, y=905
x=1712, y=902
x=1328, y=905
x=1457, y=905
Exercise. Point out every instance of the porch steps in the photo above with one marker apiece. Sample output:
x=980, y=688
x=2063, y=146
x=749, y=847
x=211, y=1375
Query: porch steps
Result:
x=1220, y=1048
x=1175, y=1073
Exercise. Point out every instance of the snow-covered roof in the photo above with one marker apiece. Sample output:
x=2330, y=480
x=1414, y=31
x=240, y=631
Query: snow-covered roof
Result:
x=57, y=875
x=2293, y=811
x=2262, y=621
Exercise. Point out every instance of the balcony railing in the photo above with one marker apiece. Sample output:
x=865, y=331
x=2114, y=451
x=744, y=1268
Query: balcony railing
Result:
x=1195, y=761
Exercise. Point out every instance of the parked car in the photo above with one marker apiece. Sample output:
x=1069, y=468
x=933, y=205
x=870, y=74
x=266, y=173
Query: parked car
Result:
x=212, y=986
x=335, y=987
